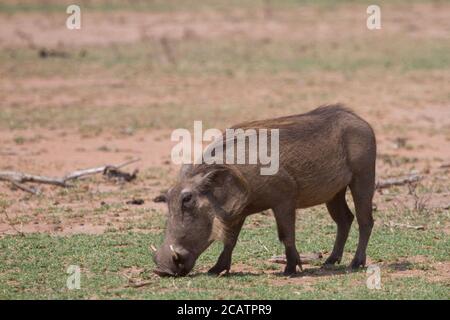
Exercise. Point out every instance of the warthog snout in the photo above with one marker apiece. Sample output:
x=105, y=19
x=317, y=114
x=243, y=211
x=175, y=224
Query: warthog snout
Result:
x=173, y=261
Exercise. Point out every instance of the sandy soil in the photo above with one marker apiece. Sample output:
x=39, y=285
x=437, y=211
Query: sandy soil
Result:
x=416, y=20
x=57, y=152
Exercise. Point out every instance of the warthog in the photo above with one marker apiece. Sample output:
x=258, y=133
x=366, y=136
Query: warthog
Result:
x=321, y=153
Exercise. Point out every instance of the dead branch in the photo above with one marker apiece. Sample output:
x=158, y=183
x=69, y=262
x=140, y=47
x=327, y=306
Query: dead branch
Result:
x=19, y=178
x=306, y=258
x=25, y=188
x=398, y=181
x=88, y=172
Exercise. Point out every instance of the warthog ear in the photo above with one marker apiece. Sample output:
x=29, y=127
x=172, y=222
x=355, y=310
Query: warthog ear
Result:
x=227, y=189
x=185, y=170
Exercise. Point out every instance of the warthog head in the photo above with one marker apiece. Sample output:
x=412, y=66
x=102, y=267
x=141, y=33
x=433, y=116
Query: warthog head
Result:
x=200, y=203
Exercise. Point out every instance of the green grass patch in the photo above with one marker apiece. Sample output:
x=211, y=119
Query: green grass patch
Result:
x=35, y=266
x=227, y=57
x=197, y=59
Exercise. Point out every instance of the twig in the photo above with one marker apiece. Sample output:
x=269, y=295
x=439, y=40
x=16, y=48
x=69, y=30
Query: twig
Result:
x=138, y=284
x=25, y=188
x=12, y=225
x=397, y=181
x=420, y=202
x=306, y=258
x=262, y=245
x=403, y=225
x=135, y=283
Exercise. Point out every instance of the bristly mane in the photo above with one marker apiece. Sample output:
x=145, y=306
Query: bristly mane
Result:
x=324, y=111
x=331, y=110
x=327, y=109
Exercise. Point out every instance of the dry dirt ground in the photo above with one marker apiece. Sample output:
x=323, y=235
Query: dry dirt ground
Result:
x=82, y=109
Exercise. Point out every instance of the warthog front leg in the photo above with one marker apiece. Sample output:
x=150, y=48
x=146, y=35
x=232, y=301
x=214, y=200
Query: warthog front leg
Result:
x=224, y=261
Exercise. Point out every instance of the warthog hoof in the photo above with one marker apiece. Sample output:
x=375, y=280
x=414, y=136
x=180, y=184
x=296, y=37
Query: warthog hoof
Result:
x=217, y=270
x=357, y=262
x=331, y=260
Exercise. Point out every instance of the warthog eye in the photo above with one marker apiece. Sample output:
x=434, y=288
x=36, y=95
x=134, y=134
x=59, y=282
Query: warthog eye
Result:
x=186, y=199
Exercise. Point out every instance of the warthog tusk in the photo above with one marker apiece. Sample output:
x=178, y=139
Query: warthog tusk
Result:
x=174, y=253
x=152, y=247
